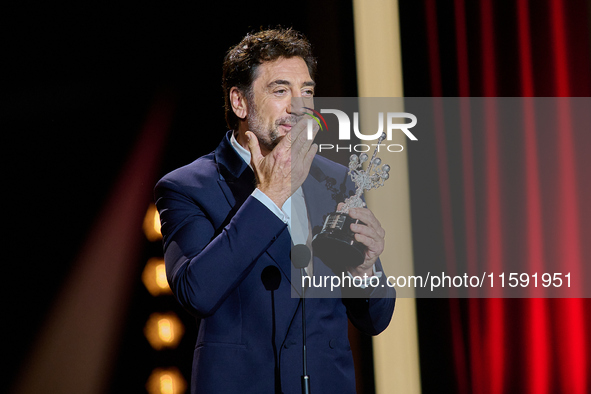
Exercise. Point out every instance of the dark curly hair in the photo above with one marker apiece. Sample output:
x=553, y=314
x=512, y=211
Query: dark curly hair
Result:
x=242, y=61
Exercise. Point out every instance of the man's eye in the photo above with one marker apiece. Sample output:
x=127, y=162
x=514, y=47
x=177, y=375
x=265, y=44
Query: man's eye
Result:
x=308, y=92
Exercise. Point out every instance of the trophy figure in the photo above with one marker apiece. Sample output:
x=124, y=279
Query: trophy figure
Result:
x=336, y=244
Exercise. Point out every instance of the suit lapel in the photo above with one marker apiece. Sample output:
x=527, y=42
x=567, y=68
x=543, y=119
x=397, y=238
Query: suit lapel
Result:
x=237, y=181
x=319, y=203
x=235, y=177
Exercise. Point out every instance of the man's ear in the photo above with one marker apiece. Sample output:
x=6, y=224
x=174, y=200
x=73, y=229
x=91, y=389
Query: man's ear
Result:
x=238, y=101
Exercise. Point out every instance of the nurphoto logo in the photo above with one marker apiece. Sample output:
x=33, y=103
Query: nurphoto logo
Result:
x=392, y=125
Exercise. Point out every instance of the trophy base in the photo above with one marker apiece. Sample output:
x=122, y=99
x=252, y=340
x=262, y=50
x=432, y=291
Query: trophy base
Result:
x=336, y=246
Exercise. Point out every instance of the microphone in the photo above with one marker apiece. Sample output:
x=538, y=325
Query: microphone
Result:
x=300, y=257
x=271, y=278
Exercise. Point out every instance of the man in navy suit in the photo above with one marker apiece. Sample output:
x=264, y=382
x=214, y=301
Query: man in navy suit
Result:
x=230, y=218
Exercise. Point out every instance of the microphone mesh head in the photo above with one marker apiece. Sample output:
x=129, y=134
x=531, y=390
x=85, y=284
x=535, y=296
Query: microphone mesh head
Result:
x=300, y=255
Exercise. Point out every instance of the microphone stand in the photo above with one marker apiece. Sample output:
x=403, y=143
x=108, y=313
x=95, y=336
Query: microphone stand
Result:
x=305, y=376
x=300, y=256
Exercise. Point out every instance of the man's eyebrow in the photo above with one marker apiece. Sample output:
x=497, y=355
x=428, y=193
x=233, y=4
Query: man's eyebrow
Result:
x=287, y=83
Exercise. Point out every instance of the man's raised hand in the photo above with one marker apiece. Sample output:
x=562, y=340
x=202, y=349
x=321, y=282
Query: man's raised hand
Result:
x=286, y=167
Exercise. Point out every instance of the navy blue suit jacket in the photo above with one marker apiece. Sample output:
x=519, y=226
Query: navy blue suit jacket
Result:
x=228, y=263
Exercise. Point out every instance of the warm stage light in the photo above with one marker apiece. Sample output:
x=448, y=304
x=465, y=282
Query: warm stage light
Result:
x=166, y=381
x=154, y=277
x=164, y=330
x=152, y=224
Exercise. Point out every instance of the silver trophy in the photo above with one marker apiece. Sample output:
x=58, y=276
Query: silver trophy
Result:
x=336, y=244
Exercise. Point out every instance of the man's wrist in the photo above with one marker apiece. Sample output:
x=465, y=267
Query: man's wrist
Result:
x=358, y=271
x=365, y=276
x=278, y=198
x=269, y=203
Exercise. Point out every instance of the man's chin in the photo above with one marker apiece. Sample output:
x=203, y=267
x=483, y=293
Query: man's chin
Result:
x=270, y=144
x=272, y=140
x=277, y=140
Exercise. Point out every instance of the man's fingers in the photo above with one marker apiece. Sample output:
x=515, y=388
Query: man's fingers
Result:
x=297, y=140
x=372, y=244
x=301, y=128
x=366, y=216
x=301, y=140
x=309, y=157
x=303, y=149
x=370, y=237
x=370, y=232
x=301, y=167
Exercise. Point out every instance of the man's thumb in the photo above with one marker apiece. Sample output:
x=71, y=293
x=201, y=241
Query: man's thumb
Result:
x=253, y=145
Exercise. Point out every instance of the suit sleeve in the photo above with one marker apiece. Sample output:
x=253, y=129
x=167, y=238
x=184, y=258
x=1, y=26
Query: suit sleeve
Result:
x=205, y=264
x=370, y=310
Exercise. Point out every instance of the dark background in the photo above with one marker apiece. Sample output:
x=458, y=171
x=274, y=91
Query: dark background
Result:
x=78, y=83
x=77, y=86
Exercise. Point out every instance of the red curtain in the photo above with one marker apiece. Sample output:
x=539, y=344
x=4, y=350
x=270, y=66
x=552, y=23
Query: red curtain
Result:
x=516, y=48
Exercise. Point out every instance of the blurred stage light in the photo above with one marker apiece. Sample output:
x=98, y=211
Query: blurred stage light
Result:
x=154, y=277
x=166, y=381
x=164, y=330
x=152, y=224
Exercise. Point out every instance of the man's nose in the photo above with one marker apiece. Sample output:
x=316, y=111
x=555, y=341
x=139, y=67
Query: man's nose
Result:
x=297, y=106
